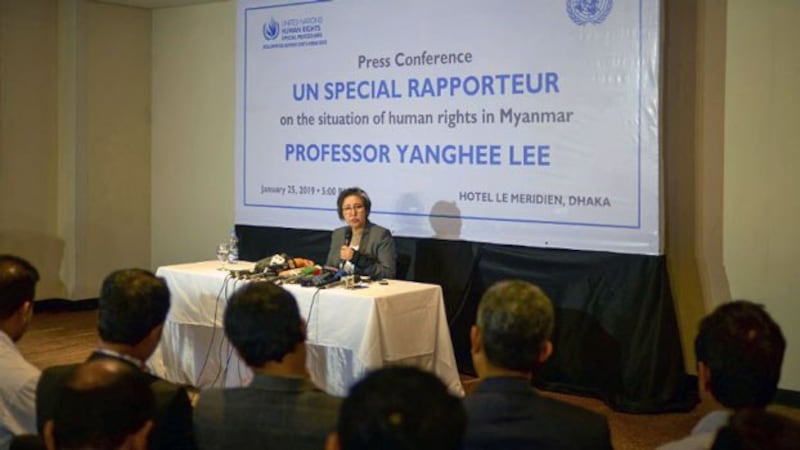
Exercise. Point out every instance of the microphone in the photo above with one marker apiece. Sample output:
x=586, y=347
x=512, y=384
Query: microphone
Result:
x=241, y=274
x=274, y=263
x=293, y=275
x=348, y=235
x=322, y=279
x=335, y=280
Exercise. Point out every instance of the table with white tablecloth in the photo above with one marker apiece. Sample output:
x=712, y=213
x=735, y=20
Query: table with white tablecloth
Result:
x=350, y=331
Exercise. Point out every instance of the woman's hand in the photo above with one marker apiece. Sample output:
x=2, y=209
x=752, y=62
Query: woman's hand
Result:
x=346, y=253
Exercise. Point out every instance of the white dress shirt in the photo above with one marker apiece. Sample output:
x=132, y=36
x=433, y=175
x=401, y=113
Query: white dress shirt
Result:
x=17, y=393
x=703, y=434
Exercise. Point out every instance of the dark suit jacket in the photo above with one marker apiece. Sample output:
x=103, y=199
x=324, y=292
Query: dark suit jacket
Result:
x=270, y=413
x=376, y=256
x=27, y=442
x=172, y=427
x=506, y=413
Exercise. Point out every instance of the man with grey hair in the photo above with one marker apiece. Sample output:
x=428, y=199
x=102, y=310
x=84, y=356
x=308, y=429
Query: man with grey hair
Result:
x=509, y=342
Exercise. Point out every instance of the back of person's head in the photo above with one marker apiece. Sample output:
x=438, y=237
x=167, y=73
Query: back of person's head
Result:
x=515, y=319
x=104, y=403
x=758, y=429
x=742, y=347
x=401, y=408
x=132, y=302
x=18, y=280
x=263, y=323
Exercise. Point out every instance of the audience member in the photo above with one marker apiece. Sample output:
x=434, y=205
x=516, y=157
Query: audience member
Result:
x=132, y=307
x=18, y=280
x=280, y=409
x=399, y=408
x=739, y=351
x=758, y=429
x=510, y=340
x=106, y=404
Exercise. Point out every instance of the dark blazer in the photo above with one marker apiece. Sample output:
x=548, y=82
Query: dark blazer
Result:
x=376, y=256
x=172, y=426
x=27, y=442
x=506, y=413
x=270, y=413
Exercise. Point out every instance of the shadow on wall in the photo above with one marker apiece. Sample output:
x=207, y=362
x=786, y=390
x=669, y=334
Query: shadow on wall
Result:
x=45, y=252
x=446, y=220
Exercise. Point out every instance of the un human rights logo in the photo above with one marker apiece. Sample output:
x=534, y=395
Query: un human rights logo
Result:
x=271, y=29
x=589, y=11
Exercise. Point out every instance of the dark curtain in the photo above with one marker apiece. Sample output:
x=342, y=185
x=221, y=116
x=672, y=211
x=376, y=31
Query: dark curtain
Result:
x=616, y=335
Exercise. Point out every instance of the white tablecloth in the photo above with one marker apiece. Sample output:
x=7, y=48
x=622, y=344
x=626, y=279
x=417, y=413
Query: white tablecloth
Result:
x=349, y=330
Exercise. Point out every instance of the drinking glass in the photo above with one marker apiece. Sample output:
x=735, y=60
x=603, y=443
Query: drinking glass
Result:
x=222, y=254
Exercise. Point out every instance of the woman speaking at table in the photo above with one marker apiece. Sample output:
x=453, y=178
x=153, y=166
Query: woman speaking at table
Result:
x=360, y=246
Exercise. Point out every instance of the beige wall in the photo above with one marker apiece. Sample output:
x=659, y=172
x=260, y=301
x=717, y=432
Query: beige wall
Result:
x=113, y=178
x=762, y=188
x=75, y=127
x=193, y=130
x=732, y=202
x=28, y=136
x=682, y=117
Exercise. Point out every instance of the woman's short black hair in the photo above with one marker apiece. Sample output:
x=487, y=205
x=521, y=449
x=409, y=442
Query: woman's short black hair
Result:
x=352, y=191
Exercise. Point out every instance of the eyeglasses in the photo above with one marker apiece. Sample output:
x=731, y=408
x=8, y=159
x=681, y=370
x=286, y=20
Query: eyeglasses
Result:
x=356, y=208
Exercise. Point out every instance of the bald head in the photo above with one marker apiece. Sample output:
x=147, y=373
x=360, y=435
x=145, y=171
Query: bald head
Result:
x=103, y=373
x=115, y=402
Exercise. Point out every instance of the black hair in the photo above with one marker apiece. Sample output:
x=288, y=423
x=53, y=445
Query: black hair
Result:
x=743, y=349
x=756, y=429
x=352, y=191
x=103, y=402
x=401, y=408
x=263, y=323
x=18, y=280
x=132, y=302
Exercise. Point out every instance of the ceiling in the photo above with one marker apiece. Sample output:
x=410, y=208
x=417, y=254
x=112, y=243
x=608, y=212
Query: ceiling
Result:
x=153, y=4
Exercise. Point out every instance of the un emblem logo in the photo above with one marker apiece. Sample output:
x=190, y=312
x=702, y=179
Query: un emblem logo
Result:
x=589, y=11
x=271, y=29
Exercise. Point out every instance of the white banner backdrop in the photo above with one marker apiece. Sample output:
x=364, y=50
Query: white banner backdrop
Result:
x=522, y=122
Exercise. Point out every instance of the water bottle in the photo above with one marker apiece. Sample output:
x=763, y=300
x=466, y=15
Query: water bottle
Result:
x=233, y=248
